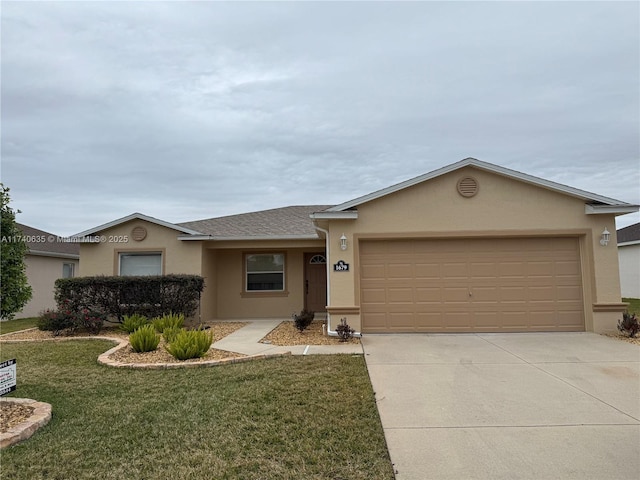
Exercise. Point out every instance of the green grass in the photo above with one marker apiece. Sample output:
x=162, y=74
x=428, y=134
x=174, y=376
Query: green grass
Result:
x=19, y=324
x=311, y=417
x=634, y=305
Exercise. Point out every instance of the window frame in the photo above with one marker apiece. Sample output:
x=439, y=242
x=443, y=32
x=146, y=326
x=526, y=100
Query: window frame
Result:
x=264, y=293
x=135, y=252
x=72, y=266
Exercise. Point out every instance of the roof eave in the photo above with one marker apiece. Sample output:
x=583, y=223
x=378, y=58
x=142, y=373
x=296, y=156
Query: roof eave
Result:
x=40, y=253
x=240, y=238
x=621, y=209
x=335, y=215
x=629, y=243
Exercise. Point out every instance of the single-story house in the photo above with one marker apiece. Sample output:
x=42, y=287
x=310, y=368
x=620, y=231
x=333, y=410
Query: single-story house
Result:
x=49, y=257
x=629, y=257
x=470, y=247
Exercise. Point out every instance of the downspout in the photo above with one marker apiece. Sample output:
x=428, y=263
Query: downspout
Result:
x=330, y=332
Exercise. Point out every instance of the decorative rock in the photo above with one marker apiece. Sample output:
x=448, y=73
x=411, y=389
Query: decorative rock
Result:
x=39, y=418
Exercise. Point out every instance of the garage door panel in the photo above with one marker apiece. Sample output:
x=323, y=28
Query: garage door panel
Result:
x=515, y=285
x=401, y=321
x=427, y=271
x=512, y=270
x=570, y=269
x=375, y=271
x=400, y=295
x=455, y=270
x=455, y=295
x=400, y=271
x=428, y=295
x=374, y=296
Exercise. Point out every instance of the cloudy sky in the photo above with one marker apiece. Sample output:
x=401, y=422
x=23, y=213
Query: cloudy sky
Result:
x=191, y=110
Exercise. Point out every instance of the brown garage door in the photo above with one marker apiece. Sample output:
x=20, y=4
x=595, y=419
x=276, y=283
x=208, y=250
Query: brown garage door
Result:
x=471, y=285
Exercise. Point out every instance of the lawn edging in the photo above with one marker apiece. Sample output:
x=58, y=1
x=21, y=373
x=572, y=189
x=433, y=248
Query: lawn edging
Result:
x=22, y=431
x=105, y=360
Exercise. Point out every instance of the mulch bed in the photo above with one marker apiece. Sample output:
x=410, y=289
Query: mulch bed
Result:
x=287, y=334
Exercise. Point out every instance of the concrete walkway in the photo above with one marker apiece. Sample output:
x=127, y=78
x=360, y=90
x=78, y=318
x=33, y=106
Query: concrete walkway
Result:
x=247, y=341
x=505, y=406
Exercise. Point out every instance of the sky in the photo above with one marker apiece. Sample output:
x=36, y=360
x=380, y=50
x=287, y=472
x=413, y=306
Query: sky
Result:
x=191, y=110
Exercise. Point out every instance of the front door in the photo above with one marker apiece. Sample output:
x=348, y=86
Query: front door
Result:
x=315, y=282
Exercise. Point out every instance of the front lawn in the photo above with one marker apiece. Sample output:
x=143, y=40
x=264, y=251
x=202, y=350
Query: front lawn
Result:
x=19, y=324
x=634, y=305
x=311, y=417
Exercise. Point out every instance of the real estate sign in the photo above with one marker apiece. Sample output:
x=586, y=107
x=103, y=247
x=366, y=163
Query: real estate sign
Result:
x=7, y=376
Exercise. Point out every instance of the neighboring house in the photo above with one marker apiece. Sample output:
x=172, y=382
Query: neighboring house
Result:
x=629, y=257
x=471, y=247
x=49, y=258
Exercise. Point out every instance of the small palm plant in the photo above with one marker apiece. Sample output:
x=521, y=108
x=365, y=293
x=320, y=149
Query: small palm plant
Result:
x=629, y=324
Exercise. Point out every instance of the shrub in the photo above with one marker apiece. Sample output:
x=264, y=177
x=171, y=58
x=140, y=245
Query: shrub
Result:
x=57, y=322
x=168, y=321
x=345, y=332
x=190, y=344
x=151, y=295
x=629, y=324
x=170, y=333
x=133, y=322
x=144, y=339
x=303, y=320
x=91, y=320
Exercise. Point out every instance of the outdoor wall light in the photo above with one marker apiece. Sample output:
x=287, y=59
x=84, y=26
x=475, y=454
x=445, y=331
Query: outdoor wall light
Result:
x=343, y=242
x=604, y=237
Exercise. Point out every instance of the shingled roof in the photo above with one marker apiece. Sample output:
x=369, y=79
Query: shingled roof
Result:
x=284, y=222
x=46, y=243
x=629, y=234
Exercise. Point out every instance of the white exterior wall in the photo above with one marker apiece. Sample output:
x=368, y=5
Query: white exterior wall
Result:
x=629, y=258
x=42, y=273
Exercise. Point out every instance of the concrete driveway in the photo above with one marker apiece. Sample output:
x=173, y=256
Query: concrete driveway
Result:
x=506, y=406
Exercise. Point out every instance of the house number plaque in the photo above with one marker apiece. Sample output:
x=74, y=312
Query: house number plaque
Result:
x=341, y=266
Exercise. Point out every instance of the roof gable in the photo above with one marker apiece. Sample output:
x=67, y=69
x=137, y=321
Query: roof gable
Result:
x=611, y=205
x=137, y=216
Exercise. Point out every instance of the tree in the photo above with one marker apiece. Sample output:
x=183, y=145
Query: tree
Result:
x=15, y=291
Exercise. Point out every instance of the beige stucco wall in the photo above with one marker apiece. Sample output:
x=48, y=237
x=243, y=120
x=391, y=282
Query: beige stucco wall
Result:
x=232, y=302
x=178, y=256
x=502, y=207
x=629, y=256
x=42, y=272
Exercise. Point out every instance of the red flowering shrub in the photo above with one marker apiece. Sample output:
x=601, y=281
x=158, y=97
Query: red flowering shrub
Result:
x=65, y=321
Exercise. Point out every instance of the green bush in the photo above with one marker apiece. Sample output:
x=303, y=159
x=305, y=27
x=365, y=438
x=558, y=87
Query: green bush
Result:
x=170, y=333
x=144, y=339
x=190, y=344
x=133, y=322
x=57, y=322
x=150, y=295
x=303, y=320
x=169, y=320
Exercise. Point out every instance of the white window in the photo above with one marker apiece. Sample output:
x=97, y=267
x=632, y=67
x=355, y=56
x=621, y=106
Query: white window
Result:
x=68, y=270
x=145, y=263
x=265, y=272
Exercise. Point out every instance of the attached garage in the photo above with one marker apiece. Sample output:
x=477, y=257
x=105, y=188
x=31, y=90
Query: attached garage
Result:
x=471, y=285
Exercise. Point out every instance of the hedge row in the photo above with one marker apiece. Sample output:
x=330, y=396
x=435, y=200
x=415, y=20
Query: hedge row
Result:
x=151, y=296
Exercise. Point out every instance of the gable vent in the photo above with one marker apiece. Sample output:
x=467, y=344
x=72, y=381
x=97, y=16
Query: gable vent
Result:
x=467, y=186
x=139, y=233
